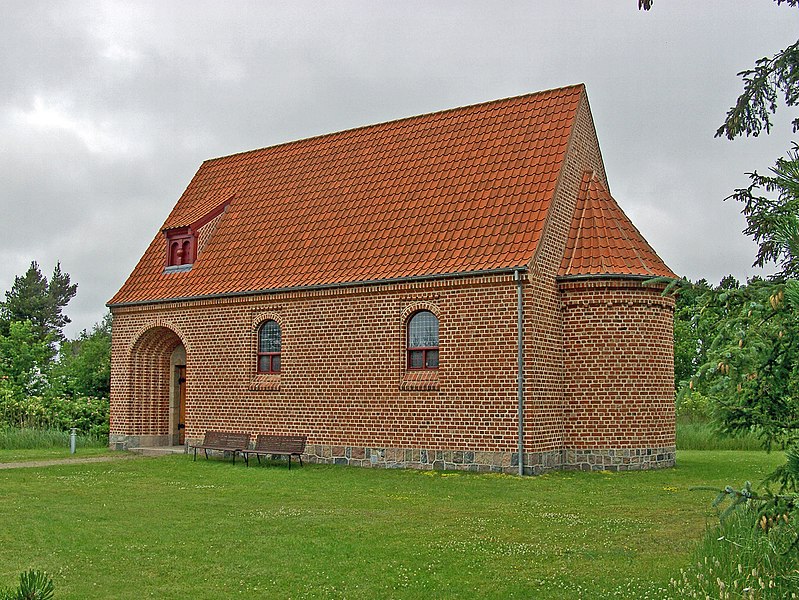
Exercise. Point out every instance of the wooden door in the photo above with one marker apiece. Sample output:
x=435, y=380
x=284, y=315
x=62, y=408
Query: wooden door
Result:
x=182, y=405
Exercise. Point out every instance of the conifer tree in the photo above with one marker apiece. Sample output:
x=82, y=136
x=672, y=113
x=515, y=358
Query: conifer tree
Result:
x=33, y=298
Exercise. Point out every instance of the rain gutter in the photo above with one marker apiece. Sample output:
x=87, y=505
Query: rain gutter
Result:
x=520, y=366
x=321, y=287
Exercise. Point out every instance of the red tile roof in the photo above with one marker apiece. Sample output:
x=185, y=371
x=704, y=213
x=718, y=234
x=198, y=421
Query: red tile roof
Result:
x=603, y=240
x=463, y=190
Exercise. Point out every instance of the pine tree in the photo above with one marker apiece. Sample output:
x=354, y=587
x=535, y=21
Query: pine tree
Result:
x=33, y=298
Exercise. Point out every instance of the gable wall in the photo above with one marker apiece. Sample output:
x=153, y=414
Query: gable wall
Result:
x=544, y=396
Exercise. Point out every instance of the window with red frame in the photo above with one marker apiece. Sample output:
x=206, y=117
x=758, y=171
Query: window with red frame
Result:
x=269, y=347
x=423, y=341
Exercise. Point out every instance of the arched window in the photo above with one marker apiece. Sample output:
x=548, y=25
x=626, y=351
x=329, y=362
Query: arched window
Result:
x=423, y=341
x=269, y=347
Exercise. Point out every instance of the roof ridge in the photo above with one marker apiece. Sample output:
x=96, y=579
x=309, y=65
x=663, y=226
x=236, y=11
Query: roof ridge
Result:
x=627, y=238
x=580, y=195
x=486, y=103
x=598, y=204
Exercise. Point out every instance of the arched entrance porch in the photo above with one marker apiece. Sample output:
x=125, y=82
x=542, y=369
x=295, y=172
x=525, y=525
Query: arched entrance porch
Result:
x=157, y=389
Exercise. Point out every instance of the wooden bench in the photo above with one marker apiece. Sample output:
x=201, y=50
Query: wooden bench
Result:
x=224, y=441
x=281, y=445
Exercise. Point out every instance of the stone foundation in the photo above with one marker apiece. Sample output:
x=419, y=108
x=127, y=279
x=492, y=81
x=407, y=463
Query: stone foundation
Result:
x=535, y=463
x=125, y=442
x=492, y=462
x=626, y=459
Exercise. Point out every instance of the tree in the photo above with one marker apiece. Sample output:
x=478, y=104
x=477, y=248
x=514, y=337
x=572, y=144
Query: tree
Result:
x=690, y=331
x=23, y=359
x=84, y=365
x=772, y=221
x=33, y=298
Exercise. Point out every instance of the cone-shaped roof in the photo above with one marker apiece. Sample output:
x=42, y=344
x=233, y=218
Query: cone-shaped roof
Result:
x=603, y=240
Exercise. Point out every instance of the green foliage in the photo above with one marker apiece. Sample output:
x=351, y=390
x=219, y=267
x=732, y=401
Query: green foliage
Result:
x=752, y=371
x=693, y=407
x=738, y=559
x=737, y=353
x=89, y=415
x=763, y=85
x=33, y=298
x=35, y=391
x=84, y=365
x=692, y=330
x=24, y=359
x=33, y=585
x=772, y=222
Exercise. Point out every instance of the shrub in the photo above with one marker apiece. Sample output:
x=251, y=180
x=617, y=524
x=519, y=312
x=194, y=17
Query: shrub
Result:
x=89, y=415
x=692, y=407
x=33, y=585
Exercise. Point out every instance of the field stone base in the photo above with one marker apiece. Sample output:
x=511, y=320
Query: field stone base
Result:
x=535, y=463
x=625, y=459
x=124, y=442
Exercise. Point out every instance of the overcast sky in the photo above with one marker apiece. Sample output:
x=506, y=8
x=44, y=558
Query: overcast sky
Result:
x=108, y=108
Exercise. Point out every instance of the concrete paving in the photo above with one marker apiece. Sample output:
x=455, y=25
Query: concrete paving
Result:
x=65, y=461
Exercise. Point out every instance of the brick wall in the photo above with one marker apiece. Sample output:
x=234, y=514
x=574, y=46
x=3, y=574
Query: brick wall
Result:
x=619, y=364
x=343, y=379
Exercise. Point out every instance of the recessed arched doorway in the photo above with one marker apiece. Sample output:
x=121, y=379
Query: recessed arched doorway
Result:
x=157, y=391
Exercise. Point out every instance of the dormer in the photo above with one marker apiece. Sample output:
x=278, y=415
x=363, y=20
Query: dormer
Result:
x=184, y=243
x=181, y=248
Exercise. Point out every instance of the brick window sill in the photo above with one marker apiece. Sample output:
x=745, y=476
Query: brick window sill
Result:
x=265, y=383
x=420, y=381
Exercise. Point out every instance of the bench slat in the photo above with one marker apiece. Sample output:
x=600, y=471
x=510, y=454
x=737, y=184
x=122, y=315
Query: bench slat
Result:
x=227, y=441
x=283, y=445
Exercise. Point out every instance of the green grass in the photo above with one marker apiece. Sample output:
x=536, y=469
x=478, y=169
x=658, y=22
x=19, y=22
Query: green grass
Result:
x=173, y=528
x=736, y=559
x=25, y=444
x=697, y=435
x=36, y=454
x=23, y=438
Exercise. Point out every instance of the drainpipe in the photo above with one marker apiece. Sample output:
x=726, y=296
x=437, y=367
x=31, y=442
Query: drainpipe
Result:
x=520, y=366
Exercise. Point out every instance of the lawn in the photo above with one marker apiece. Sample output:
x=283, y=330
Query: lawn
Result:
x=172, y=528
x=19, y=455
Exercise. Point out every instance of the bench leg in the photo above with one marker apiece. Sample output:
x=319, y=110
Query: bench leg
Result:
x=195, y=454
x=258, y=456
x=206, y=453
x=246, y=459
x=299, y=456
x=234, y=456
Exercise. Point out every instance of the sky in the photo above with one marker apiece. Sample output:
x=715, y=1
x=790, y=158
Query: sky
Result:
x=108, y=108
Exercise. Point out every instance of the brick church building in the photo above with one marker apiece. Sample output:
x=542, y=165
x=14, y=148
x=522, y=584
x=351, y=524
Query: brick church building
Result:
x=402, y=294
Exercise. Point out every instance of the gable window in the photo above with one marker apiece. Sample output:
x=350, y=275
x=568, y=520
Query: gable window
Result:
x=423, y=341
x=181, y=247
x=269, y=347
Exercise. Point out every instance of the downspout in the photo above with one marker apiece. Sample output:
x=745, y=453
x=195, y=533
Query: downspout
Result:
x=520, y=366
